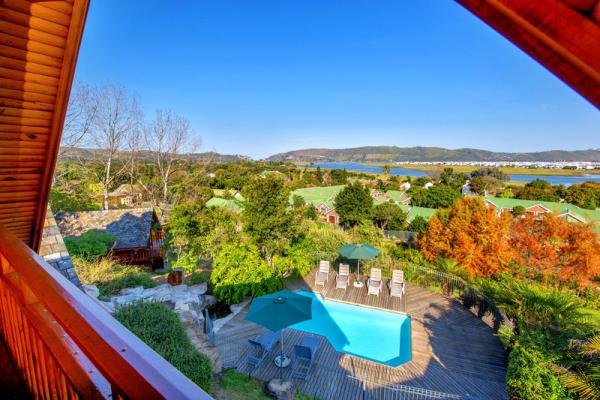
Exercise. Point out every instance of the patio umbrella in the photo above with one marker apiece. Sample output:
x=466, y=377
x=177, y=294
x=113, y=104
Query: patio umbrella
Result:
x=279, y=310
x=358, y=252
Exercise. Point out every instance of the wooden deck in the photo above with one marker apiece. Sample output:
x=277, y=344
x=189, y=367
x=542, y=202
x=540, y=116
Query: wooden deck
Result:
x=452, y=351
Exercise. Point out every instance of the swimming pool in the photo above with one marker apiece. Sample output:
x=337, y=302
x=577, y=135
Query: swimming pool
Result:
x=376, y=335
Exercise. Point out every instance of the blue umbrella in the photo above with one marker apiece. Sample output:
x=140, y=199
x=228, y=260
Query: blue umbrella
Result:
x=279, y=310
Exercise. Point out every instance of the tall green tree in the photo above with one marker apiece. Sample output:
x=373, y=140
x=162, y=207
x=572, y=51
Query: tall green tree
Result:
x=435, y=197
x=490, y=171
x=354, y=204
x=418, y=224
x=485, y=184
x=586, y=195
x=267, y=218
x=389, y=216
x=453, y=179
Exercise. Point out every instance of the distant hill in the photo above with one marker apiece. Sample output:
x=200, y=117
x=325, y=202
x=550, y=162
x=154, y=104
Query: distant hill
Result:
x=393, y=153
x=79, y=153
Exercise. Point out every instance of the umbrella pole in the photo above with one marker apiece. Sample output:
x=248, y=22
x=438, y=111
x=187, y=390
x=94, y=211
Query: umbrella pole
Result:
x=281, y=359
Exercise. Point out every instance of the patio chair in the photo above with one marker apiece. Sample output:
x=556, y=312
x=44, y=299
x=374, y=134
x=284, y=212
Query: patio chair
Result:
x=261, y=346
x=343, y=277
x=396, y=285
x=374, y=282
x=304, y=356
x=322, y=274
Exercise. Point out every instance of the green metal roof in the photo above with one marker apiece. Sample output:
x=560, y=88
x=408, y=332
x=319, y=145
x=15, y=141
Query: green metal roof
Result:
x=232, y=204
x=589, y=216
x=397, y=195
x=413, y=212
x=318, y=195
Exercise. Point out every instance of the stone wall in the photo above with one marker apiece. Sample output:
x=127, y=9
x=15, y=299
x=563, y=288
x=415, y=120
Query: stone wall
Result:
x=54, y=251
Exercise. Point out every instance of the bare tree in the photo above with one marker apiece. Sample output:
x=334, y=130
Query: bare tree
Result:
x=118, y=116
x=79, y=119
x=168, y=135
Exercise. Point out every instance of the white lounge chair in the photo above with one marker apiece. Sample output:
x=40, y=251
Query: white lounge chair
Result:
x=343, y=277
x=396, y=285
x=322, y=273
x=374, y=282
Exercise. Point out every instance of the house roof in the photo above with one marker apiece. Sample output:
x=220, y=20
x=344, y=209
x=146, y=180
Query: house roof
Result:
x=131, y=227
x=318, y=195
x=126, y=189
x=413, y=212
x=232, y=204
x=562, y=35
x=578, y=213
x=36, y=82
x=397, y=195
x=234, y=193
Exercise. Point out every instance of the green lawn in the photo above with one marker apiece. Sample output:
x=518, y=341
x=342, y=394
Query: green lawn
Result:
x=236, y=386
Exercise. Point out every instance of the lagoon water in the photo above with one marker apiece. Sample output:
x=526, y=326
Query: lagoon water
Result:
x=398, y=171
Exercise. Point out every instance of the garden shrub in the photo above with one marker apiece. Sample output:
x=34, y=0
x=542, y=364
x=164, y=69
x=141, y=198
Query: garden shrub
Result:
x=418, y=224
x=324, y=237
x=109, y=276
x=529, y=376
x=90, y=245
x=188, y=260
x=198, y=277
x=161, y=329
x=239, y=271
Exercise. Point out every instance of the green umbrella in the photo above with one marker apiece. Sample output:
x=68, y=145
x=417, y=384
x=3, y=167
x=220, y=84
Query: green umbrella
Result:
x=358, y=252
x=279, y=310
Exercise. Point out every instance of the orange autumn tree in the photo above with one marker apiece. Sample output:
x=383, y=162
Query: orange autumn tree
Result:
x=552, y=247
x=471, y=234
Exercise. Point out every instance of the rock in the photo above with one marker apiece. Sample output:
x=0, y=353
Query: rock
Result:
x=184, y=297
x=182, y=306
x=91, y=290
x=280, y=389
x=208, y=300
x=198, y=290
x=236, y=308
x=179, y=288
x=160, y=293
x=122, y=301
x=133, y=291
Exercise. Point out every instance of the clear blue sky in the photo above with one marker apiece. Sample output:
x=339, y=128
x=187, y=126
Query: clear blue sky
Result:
x=259, y=77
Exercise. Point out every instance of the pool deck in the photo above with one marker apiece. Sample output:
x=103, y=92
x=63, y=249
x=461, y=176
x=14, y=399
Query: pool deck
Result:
x=452, y=351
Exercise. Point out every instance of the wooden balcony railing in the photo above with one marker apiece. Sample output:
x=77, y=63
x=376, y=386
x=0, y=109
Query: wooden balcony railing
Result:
x=66, y=346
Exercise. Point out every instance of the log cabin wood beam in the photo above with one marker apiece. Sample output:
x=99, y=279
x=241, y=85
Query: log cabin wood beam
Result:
x=563, y=40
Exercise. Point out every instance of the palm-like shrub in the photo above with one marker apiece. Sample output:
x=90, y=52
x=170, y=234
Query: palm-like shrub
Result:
x=558, y=313
x=580, y=373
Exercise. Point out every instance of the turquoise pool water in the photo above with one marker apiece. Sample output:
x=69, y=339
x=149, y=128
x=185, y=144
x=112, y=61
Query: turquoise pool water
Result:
x=376, y=335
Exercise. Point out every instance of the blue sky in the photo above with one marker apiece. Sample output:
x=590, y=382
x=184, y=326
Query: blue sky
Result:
x=260, y=77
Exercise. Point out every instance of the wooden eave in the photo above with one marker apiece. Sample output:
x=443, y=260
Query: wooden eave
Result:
x=39, y=44
x=563, y=36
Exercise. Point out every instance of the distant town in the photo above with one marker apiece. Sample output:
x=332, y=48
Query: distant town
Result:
x=586, y=165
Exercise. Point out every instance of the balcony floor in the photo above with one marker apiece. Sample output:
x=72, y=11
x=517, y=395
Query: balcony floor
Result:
x=11, y=386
